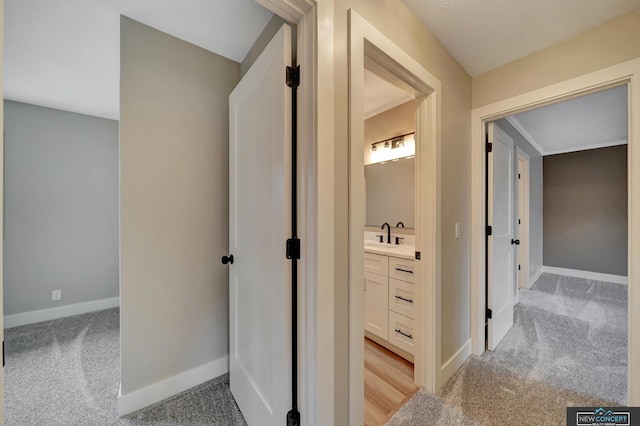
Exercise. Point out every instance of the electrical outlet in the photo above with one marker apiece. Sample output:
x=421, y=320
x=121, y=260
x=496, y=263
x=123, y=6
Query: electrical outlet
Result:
x=56, y=295
x=457, y=231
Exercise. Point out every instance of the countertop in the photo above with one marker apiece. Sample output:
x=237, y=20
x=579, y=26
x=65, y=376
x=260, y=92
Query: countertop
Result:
x=402, y=251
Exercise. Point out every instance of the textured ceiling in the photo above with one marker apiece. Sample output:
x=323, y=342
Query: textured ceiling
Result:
x=380, y=96
x=66, y=54
x=592, y=121
x=483, y=35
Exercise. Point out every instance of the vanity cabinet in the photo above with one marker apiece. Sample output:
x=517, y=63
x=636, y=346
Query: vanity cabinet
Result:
x=390, y=302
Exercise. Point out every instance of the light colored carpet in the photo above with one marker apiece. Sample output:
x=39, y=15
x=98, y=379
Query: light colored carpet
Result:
x=567, y=348
x=66, y=372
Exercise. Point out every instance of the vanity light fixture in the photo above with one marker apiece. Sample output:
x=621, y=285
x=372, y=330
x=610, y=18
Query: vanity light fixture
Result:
x=393, y=143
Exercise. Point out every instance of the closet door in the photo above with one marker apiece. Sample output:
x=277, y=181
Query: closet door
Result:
x=260, y=217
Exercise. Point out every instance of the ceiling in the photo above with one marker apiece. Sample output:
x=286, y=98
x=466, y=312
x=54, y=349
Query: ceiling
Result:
x=66, y=54
x=483, y=35
x=380, y=95
x=592, y=121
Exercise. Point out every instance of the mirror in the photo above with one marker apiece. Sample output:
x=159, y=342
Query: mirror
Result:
x=390, y=192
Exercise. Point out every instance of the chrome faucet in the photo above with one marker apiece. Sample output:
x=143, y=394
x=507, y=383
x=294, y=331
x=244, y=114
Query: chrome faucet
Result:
x=388, y=232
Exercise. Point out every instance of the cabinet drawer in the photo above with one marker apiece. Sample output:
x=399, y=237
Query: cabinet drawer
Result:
x=402, y=298
x=401, y=269
x=401, y=332
x=376, y=263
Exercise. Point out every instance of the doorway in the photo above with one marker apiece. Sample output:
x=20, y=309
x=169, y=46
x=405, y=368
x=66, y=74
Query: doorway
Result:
x=390, y=303
x=371, y=50
x=623, y=74
x=579, y=163
x=175, y=380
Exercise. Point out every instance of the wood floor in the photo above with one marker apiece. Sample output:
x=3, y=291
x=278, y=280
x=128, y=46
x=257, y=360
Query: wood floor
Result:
x=388, y=383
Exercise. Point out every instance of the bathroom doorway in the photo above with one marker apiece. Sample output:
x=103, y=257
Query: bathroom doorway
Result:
x=372, y=53
x=389, y=247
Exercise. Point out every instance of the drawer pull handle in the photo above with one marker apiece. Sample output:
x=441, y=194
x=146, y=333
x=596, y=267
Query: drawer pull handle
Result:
x=404, y=270
x=404, y=334
x=402, y=298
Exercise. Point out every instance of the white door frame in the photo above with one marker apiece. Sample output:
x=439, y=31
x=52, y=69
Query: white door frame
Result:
x=624, y=73
x=524, y=248
x=368, y=45
x=2, y=209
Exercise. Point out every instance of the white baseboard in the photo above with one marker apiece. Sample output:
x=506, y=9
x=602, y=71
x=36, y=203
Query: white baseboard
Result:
x=156, y=392
x=534, y=277
x=450, y=367
x=32, y=317
x=619, y=279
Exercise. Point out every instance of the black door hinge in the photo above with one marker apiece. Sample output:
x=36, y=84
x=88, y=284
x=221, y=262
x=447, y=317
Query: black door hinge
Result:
x=489, y=230
x=292, y=76
x=417, y=255
x=518, y=267
x=489, y=313
x=518, y=175
x=293, y=248
x=489, y=146
x=293, y=418
x=3, y=353
x=518, y=221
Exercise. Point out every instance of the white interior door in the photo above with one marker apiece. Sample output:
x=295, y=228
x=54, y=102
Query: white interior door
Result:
x=260, y=220
x=500, y=252
x=523, y=265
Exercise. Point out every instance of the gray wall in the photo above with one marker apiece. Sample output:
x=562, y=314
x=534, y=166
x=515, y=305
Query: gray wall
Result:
x=174, y=154
x=261, y=42
x=585, y=210
x=61, y=207
x=535, y=196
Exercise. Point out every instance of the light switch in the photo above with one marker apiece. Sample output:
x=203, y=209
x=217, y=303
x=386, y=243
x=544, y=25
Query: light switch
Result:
x=457, y=231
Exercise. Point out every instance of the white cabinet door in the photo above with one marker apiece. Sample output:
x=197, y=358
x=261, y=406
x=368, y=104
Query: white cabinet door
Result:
x=500, y=253
x=259, y=217
x=376, y=309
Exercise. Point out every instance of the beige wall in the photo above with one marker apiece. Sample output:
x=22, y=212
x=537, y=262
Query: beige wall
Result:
x=394, y=20
x=609, y=44
x=394, y=122
x=174, y=205
x=390, y=187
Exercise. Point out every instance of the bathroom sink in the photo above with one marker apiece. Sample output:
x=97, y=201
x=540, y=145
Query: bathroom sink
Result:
x=384, y=246
x=397, y=250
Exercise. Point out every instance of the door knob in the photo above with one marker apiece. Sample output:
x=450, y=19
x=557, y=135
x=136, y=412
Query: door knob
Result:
x=516, y=242
x=227, y=259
